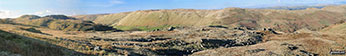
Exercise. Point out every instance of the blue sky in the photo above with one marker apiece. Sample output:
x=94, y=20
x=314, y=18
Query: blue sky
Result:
x=15, y=8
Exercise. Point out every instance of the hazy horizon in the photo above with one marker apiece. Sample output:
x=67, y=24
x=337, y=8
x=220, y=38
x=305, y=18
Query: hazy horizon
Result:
x=16, y=8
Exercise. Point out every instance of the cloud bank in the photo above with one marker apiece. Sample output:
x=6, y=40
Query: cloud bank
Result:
x=8, y=14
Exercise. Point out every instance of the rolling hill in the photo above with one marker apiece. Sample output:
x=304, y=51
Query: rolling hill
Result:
x=60, y=22
x=283, y=20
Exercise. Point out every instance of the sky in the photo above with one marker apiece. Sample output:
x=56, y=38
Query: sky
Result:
x=16, y=8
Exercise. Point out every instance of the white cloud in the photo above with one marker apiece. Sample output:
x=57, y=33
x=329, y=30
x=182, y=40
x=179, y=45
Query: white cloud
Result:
x=49, y=12
x=44, y=12
x=57, y=12
x=9, y=14
x=17, y=13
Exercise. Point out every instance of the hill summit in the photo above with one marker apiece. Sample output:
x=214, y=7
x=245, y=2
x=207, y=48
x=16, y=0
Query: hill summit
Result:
x=58, y=17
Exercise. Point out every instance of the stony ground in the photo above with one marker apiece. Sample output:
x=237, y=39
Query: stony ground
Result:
x=196, y=41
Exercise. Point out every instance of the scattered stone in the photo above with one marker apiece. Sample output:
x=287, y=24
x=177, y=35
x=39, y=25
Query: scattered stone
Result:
x=95, y=38
x=149, y=36
x=272, y=54
x=248, y=40
x=156, y=30
x=272, y=31
x=215, y=43
x=171, y=28
x=255, y=50
x=172, y=52
x=248, y=28
x=97, y=48
x=239, y=28
x=291, y=47
x=148, y=39
x=129, y=44
x=204, y=29
x=109, y=39
x=218, y=26
x=308, y=53
x=264, y=29
x=170, y=43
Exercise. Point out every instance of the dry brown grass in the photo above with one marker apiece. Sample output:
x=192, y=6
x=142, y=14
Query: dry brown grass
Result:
x=52, y=40
x=29, y=47
x=287, y=36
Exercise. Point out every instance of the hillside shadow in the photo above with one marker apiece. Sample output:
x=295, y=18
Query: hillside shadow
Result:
x=18, y=44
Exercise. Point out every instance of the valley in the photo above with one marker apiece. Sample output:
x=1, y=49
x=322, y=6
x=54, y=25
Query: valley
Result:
x=180, y=32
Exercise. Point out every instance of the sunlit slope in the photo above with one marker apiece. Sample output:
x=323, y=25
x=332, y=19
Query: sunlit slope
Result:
x=110, y=19
x=60, y=22
x=88, y=17
x=283, y=20
x=184, y=17
x=340, y=28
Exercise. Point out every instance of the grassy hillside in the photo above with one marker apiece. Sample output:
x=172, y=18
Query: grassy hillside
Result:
x=61, y=22
x=142, y=28
x=339, y=28
x=110, y=19
x=5, y=21
x=70, y=25
x=88, y=17
x=186, y=17
x=12, y=44
x=283, y=20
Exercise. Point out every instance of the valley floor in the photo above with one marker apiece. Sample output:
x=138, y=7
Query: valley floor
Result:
x=195, y=41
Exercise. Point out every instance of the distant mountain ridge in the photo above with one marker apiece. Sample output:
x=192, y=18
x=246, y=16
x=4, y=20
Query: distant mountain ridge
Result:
x=283, y=20
x=60, y=22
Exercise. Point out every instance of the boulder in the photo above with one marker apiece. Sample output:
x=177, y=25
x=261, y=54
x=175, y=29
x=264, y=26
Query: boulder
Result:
x=171, y=28
x=97, y=48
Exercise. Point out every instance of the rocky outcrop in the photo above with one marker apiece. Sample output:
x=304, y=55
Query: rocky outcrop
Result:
x=216, y=43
